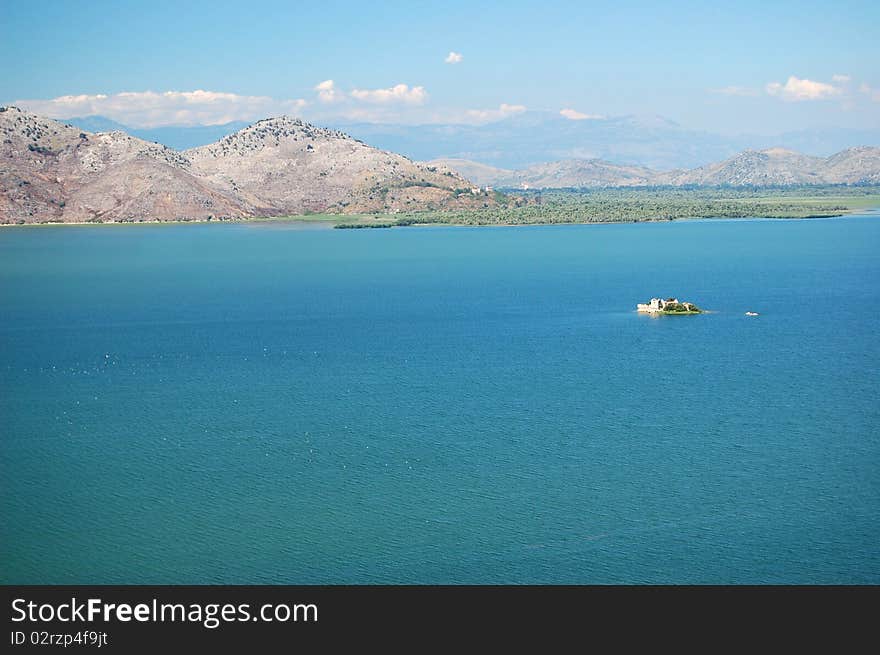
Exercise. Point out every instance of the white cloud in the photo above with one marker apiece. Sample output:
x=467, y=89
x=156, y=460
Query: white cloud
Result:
x=574, y=115
x=151, y=109
x=453, y=57
x=840, y=79
x=397, y=93
x=796, y=89
x=742, y=91
x=327, y=92
x=147, y=109
x=873, y=94
x=487, y=115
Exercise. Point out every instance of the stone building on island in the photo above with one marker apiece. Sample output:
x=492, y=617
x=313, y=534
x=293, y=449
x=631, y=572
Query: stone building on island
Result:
x=658, y=305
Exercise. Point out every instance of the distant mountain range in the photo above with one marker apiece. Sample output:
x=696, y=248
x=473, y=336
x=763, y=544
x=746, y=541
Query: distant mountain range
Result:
x=781, y=167
x=175, y=137
x=534, y=137
x=770, y=167
x=53, y=171
x=568, y=173
x=654, y=142
x=56, y=172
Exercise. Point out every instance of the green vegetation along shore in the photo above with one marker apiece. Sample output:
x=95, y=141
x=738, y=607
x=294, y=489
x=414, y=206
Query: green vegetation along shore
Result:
x=680, y=309
x=615, y=205
x=643, y=204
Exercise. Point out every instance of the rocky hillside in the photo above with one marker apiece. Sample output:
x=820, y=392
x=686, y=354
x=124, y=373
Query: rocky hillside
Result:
x=854, y=166
x=781, y=167
x=52, y=172
x=579, y=173
x=283, y=165
x=771, y=167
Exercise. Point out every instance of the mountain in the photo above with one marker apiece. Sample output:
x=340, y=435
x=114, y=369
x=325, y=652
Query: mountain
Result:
x=482, y=174
x=517, y=141
x=56, y=172
x=286, y=165
x=178, y=137
x=824, y=142
x=770, y=167
x=782, y=167
x=532, y=137
x=535, y=137
x=101, y=124
x=854, y=166
x=567, y=173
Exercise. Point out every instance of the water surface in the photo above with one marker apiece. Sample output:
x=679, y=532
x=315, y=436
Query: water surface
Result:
x=265, y=404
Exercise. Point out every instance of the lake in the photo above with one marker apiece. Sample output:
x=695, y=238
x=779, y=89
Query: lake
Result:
x=274, y=403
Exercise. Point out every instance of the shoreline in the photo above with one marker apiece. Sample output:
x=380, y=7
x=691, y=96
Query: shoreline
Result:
x=332, y=223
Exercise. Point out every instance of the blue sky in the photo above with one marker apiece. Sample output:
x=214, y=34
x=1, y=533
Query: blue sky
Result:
x=740, y=67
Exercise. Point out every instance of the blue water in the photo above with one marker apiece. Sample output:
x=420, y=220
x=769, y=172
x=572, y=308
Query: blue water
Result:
x=272, y=404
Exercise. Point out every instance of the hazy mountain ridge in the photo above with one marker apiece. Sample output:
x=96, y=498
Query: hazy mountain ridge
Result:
x=532, y=138
x=654, y=142
x=782, y=167
x=535, y=137
x=561, y=174
x=55, y=172
x=770, y=167
x=179, y=137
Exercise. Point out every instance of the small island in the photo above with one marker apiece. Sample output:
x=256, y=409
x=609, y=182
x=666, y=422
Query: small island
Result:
x=670, y=306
